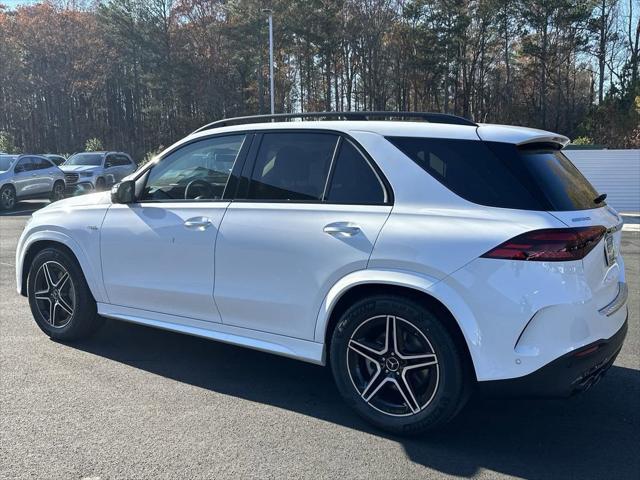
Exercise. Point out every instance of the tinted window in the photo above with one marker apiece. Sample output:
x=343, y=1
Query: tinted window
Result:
x=40, y=163
x=24, y=165
x=501, y=174
x=93, y=159
x=197, y=171
x=121, y=160
x=56, y=159
x=292, y=166
x=353, y=180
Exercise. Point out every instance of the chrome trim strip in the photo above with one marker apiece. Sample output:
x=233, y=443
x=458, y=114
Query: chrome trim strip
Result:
x=618, y=302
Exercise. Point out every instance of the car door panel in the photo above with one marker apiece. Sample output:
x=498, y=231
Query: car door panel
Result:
x=167, y=263
x=22, y=179
x=275, y=262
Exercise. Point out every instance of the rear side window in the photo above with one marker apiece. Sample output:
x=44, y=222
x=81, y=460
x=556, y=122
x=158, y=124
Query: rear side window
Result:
x=354, y=180
x=292, y=166
x=40, y=163
x=122, y=160
x=501, y=174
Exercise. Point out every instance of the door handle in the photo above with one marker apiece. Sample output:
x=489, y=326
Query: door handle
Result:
x=198, y=223
x=347, y=229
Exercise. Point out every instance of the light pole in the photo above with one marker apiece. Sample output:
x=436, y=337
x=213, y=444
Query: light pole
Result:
x=271, y=94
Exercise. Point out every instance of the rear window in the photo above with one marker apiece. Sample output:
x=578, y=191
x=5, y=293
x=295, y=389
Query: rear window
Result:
x=501, y=174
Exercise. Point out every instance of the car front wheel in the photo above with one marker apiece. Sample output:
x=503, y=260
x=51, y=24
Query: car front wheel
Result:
x=58, y=192
x=396, y=364
x=60, y=300
x=7, y=197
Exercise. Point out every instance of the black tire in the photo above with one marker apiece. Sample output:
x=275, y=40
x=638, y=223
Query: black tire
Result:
x=84, y=319
x=7, y=197
x=101, y=184
x=57, y=193
x=438, y=391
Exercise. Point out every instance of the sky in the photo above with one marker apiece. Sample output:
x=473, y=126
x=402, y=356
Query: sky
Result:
x=15, y=3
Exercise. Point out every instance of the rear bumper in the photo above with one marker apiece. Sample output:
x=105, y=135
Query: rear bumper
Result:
x=572, y=373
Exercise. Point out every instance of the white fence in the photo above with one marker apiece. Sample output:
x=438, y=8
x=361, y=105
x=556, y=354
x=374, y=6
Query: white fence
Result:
x=614, y=172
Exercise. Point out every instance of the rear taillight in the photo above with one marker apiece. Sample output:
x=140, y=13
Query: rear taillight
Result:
x=550, y=245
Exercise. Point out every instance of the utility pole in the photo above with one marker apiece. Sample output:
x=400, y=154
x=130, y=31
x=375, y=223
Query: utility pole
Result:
x=271, y=88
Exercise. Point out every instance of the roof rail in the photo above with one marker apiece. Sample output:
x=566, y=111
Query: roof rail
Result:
x=377, y=115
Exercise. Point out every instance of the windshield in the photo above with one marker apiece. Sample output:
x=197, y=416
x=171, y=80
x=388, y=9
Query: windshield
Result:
x=92, y=159
x=6, y=161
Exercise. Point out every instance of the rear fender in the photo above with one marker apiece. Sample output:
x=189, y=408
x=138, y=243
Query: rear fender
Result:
x=428, y=285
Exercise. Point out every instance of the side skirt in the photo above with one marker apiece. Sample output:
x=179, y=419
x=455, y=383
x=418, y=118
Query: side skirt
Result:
x=295, y=348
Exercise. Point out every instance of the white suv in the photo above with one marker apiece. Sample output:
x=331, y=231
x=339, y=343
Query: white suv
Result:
x=418, y=259
x=88, y=171
x=25, y=177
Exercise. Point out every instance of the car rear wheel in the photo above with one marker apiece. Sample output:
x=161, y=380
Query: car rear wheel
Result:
x=397, y=365
x=60, y=300
x=58, y=191
x=7, y=197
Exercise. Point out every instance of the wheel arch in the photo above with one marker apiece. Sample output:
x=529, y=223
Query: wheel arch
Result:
x=56, y=240
x=410, y=286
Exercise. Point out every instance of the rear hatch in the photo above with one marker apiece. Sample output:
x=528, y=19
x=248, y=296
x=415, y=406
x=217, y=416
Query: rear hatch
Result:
x=529, y=173
x=567, y=195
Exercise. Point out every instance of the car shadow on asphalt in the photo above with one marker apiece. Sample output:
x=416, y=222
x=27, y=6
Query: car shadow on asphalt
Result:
x=24, y=208
x=594, y=435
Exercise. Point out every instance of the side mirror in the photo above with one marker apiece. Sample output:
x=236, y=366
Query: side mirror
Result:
x=124, y=192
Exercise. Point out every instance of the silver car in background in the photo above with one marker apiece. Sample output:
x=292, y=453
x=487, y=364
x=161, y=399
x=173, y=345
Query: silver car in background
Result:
x=29, y=176
x=89, y=171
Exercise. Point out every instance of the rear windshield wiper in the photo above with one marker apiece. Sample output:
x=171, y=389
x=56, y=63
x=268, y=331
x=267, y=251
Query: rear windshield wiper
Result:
x=599, y=199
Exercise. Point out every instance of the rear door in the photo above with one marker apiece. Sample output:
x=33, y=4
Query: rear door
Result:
x=308, y=211
x=42, y=174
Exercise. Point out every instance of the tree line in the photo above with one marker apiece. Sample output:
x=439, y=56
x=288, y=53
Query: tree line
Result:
x=138, y=74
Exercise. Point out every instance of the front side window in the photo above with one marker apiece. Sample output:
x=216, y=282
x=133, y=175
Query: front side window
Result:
x=198, y=171
x=353, y=180
x=25, y=164
x=292, y=166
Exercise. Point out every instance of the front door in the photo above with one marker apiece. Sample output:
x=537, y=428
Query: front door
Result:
x=25, y=179
x=158, y=253
x=293, y=233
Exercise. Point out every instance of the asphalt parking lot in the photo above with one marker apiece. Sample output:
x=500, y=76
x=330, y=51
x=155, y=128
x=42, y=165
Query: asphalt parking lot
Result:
x=133, y=402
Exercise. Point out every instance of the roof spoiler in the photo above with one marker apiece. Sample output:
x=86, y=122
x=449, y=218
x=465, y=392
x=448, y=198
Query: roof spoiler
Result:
x=559, y=141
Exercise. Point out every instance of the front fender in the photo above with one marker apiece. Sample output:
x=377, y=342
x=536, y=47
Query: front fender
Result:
x=430, y=286
x=29, y=238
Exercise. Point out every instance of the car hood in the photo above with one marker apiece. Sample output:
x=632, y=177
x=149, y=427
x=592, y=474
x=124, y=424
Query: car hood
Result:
x=79, y=168
x=99, y=198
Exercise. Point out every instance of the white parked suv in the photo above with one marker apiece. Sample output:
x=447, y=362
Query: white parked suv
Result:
x=419, y=259
x=88, y=171
x=25, y=177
